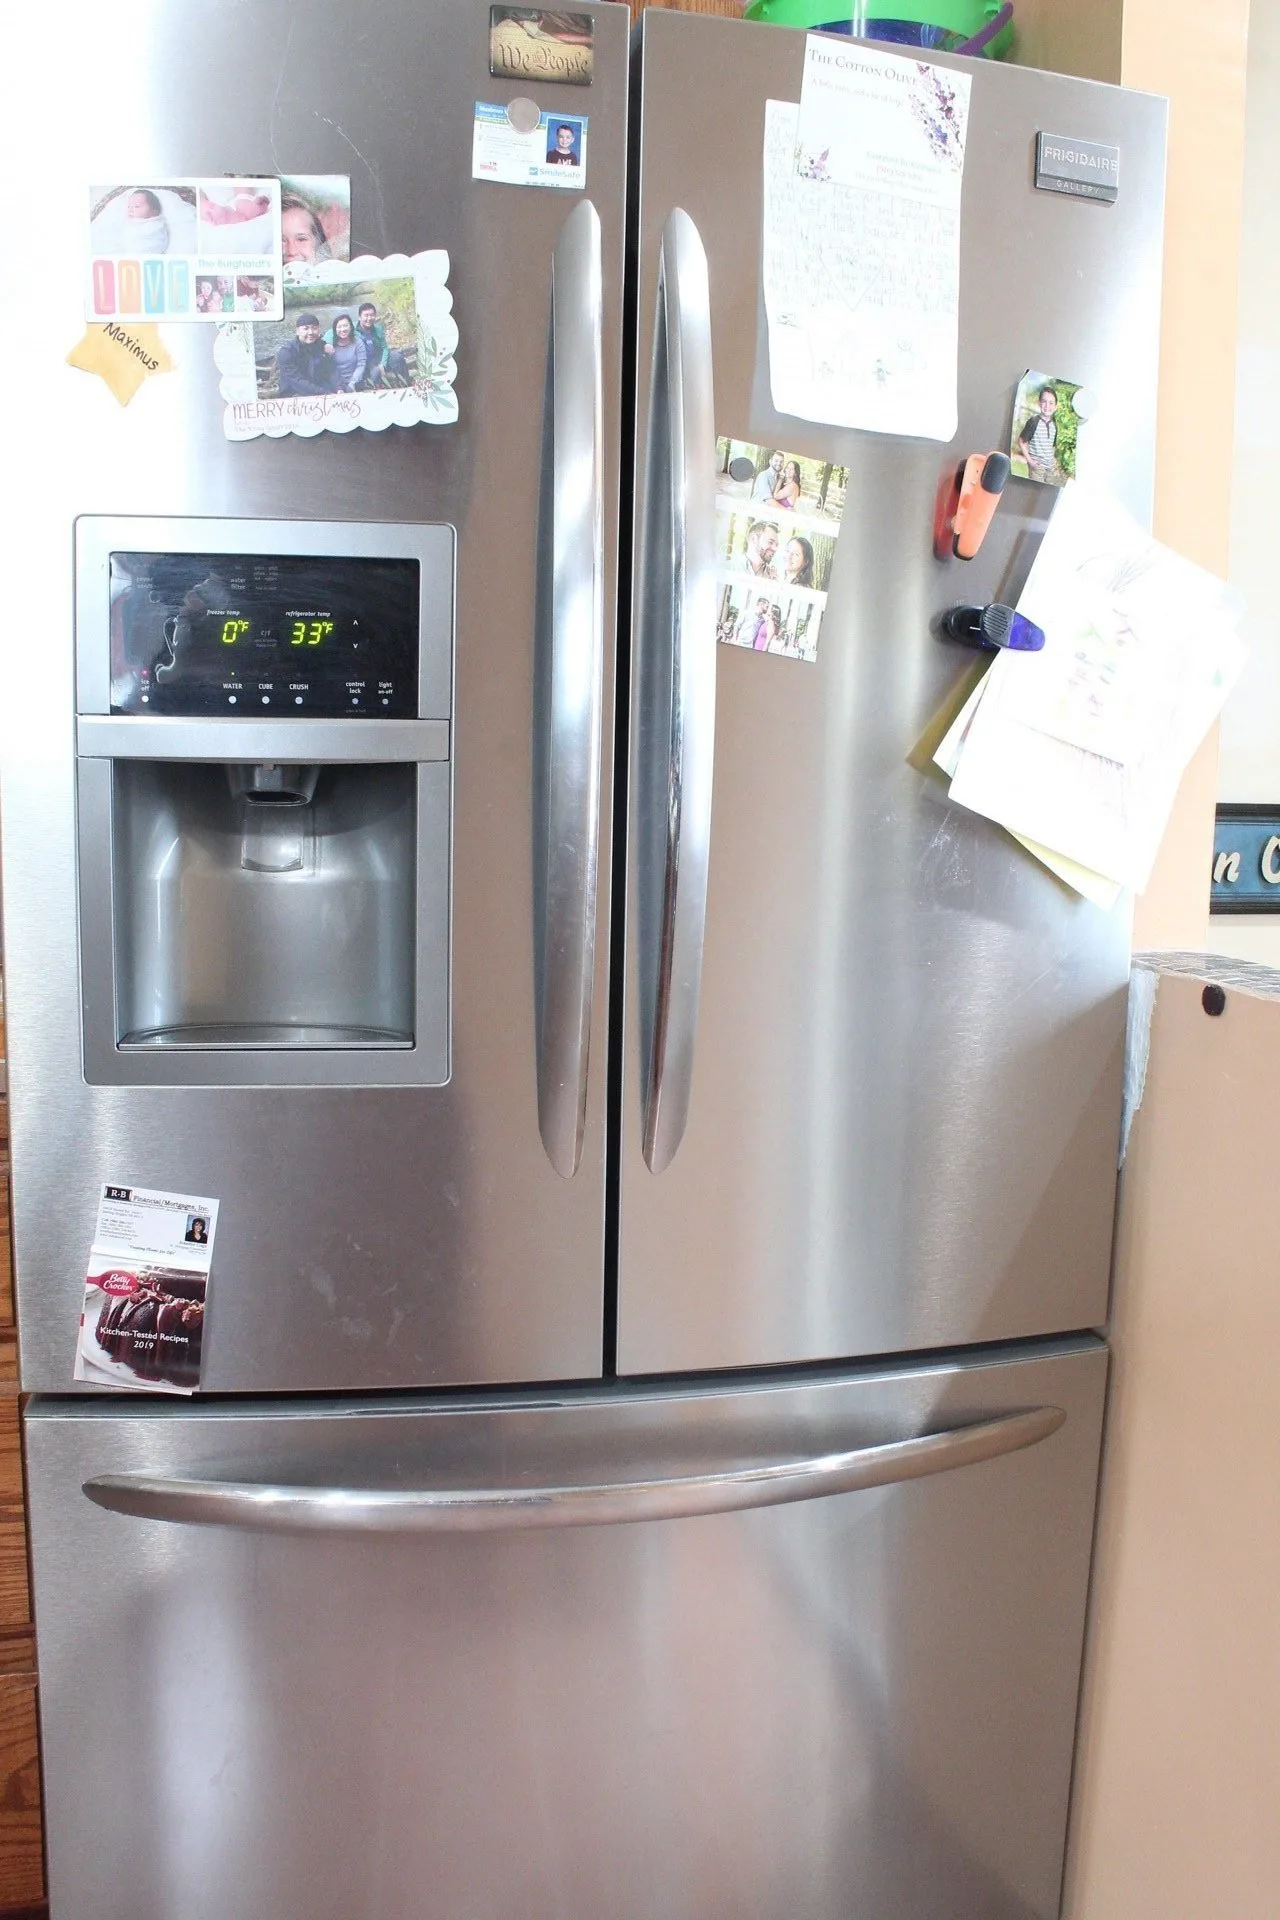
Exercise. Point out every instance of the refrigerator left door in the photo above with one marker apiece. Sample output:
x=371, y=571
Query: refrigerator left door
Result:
x=855, y=1705
x=369, y=1237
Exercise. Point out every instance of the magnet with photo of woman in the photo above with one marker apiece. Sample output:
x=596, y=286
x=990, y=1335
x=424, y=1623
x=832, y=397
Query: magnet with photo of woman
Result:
x=315, y=218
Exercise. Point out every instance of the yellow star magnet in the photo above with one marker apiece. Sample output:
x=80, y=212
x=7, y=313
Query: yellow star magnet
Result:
x=124, y=356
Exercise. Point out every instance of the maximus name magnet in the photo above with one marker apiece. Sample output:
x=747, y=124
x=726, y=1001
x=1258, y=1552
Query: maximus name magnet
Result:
x=1083, y=167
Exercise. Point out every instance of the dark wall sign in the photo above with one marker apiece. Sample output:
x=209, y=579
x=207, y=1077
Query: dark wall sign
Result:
x=1246, y=861
x=1086, y=168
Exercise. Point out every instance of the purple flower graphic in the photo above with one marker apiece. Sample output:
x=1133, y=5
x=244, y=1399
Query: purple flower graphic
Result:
x=933, y=101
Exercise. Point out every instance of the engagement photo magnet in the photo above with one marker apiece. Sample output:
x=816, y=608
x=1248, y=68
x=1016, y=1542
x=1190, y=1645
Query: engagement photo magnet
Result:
x=777, y=519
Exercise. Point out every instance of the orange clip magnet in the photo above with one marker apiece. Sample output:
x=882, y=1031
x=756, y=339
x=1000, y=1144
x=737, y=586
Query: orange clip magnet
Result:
x=982, y=480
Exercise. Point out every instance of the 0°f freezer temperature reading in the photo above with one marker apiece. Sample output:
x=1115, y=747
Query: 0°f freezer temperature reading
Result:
x=302, y=633
x=203, y=634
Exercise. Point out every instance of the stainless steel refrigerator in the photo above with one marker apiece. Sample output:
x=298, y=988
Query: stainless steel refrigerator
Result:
x=645, y=1457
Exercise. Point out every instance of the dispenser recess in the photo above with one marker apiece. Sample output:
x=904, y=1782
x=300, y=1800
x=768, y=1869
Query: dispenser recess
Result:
x=264, y=801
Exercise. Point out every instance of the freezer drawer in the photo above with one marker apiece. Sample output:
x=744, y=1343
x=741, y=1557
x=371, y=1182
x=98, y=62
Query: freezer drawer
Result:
x=415, y=1685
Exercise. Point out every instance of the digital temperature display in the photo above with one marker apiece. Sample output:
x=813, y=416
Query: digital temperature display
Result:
x=236, y=633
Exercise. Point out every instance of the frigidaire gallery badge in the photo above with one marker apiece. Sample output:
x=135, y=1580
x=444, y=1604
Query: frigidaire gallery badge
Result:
x=1086, y=168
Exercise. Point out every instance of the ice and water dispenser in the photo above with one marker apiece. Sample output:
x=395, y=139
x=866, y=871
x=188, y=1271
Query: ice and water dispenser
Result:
x=264, y=794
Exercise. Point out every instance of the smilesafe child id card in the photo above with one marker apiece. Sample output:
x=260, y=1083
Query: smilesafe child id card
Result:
x=520, y=146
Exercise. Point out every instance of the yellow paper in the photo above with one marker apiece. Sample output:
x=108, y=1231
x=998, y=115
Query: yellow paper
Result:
x=928, y=748
x=1096, y=887
x=122, y=355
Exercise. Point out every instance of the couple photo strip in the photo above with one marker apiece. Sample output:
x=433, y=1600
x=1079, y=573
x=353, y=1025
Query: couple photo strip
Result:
x=777, y=519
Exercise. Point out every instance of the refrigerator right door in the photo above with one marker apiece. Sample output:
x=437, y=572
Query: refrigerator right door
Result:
x=871, y=1076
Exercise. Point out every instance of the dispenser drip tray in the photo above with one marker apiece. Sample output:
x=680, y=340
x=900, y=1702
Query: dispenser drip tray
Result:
x=264, y=909
x=264, y=1037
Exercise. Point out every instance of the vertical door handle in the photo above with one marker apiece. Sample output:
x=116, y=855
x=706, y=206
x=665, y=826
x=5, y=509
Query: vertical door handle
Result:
x=676, y=684
x=570, y=706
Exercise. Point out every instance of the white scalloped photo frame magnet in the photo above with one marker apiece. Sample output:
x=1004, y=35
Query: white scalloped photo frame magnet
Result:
x=309, y=373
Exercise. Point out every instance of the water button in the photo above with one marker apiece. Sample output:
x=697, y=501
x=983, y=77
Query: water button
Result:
x=231, y=699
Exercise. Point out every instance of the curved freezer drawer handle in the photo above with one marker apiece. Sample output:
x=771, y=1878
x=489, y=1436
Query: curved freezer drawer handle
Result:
x=567, y=934
x=677, y=640
x=303, y=1509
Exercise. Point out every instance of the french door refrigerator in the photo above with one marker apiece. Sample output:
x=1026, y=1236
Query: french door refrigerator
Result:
x=645, y=1456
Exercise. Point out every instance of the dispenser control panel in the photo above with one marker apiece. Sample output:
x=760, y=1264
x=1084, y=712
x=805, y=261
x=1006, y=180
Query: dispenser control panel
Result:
x=280, y=634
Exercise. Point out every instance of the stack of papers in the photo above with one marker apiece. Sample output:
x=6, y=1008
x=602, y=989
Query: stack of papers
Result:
x=1078, y=750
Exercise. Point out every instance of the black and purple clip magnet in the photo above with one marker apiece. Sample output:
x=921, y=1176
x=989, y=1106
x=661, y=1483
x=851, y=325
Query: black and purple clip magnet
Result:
x=991, y=628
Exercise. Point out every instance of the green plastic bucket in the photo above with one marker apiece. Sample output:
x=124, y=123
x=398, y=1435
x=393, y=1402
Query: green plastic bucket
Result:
x=942, y=25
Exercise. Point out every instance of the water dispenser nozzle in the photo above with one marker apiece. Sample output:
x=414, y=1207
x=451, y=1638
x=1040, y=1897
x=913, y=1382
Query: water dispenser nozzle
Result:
x=273, y=841
x=274, y=782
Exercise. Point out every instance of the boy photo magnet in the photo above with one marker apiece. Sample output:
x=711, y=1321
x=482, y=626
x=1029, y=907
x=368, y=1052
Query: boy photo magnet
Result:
x=1046, y=421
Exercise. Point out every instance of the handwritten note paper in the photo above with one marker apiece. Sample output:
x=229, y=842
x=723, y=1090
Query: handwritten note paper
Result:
x=862, y=241
x=1078, y=750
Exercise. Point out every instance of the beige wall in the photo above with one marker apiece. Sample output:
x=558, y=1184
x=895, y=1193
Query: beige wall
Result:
x=1196, y=55
x=1082, y=37
x=1249, y=767
x=1178, y=1766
